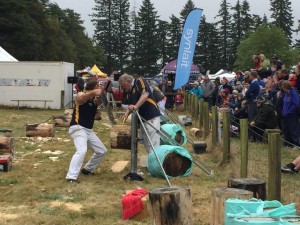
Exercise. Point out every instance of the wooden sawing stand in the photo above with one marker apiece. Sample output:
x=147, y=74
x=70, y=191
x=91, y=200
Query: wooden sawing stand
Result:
x=171, y=205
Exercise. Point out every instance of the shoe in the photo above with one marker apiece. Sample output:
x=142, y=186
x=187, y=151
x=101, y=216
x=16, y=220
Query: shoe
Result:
x=86, y=172
x=72, y=181
x=288, y=169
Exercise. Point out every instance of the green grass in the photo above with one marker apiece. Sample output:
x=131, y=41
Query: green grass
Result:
x=35, y=190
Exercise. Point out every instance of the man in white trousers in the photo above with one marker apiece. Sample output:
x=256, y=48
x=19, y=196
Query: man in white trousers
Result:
x=81, y=131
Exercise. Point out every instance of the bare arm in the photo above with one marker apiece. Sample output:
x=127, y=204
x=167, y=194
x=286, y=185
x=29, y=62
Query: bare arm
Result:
x=82, y=97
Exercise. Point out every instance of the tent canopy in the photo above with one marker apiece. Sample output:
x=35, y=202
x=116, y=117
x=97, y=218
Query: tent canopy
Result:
x=170, y=68
x=97, y=71
x=5, y=56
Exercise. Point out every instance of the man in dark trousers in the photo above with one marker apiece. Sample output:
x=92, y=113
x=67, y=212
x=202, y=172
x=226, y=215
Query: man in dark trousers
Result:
x=251, y=94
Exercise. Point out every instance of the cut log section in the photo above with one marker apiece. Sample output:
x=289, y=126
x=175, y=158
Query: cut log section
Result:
x=7, y=146
x=258, y=187
x=61, y=121
x=219, y=196
x=6, y=133
x=120, y=137
x=171, y=205
x=40, y=130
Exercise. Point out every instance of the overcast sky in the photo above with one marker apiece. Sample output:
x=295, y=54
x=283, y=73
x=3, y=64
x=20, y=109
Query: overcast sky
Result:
x=166, y=8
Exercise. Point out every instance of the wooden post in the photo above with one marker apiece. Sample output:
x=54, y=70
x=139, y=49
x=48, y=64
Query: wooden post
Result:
x=195, y=107
x=274, y=162
x=185, y=101
x=201, y=102
x=219, y=196
x=120, y=137
x=214, y=125
x=205, y=119
x=226, y=135
x=171, y=206
x=257, y=187
x=244, y=147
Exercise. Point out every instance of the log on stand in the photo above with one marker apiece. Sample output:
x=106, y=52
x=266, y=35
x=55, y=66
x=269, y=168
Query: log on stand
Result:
x=172, y=205
x=120, y=137
x=40, y=130
x=61, y=121
x=258, y=187
x=6, y=145
x=219, y=196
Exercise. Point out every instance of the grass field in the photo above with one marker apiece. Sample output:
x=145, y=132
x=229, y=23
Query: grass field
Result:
x=35, y=190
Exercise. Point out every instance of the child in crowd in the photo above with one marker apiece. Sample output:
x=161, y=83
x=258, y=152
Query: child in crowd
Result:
x=179, y=99
x=293, y=79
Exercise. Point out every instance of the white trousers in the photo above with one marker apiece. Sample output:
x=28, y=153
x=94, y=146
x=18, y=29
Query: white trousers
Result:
x=83, y=139
x=162, y=106
x=152, y=133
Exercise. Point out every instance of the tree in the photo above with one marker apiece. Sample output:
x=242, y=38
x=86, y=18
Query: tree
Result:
x=224, y=26
x=246, y=18
x=189, y=6
x=148, y=52
x=207, y=50
x=163, y=40
x=267, y=39
x=174, y=33
x=282, y=15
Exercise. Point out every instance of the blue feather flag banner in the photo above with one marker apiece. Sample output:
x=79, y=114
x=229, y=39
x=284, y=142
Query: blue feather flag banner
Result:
x=187, y=47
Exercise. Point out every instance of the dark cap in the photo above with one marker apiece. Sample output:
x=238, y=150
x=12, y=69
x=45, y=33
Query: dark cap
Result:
x=260, y=99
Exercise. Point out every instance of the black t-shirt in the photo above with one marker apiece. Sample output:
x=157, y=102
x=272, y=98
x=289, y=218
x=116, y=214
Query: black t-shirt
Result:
x=148, y=109
x=84, y=115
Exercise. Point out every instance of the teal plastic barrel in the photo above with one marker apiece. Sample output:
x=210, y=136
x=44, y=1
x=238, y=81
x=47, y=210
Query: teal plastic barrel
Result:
x=175, y=133
x=176, y=161
x=239, y=207
x=290, y=220
x=256, y=221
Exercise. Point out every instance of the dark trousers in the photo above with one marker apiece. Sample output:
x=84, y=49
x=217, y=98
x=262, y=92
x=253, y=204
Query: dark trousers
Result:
x=291, y=130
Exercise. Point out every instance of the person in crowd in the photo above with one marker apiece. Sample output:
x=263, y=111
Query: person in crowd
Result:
x=266, y=117
x=290, y=116
x=226, y=85
x=293, y=79
x=215, y=94
x=199, y=79
x=273, y=69
x=163, y=86
x=276, y=61
x=81, y=131
x=142, y=99
x=257, y=62
x=239, y=87
x=264, y=69
x=179, y=98
x=225, y=98
x=233, y=101
x=159, y=98
x=251, y=94
x=292, y=167
x=170, y=94
x=239, y=77
x=196, y=90
x=278, y=99
x=297, y=72
x=208, y=88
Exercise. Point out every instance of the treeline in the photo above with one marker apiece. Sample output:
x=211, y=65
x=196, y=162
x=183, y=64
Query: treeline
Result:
x=123, y=40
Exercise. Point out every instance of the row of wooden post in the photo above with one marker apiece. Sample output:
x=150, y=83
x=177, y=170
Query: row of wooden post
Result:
x=200, y=112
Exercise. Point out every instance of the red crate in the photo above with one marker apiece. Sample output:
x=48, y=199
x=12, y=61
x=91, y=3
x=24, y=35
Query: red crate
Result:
x=5, y=161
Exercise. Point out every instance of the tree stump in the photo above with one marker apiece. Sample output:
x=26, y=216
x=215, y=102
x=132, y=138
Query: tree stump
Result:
x=40, y=130
x=258, y=187
x=171, y=206
x=219, y=196
x=120, y=137
x=61, y=121
x=6, y=145
x=6, y=132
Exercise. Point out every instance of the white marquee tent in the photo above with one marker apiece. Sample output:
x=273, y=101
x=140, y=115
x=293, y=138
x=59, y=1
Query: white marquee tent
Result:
x=5, y=56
